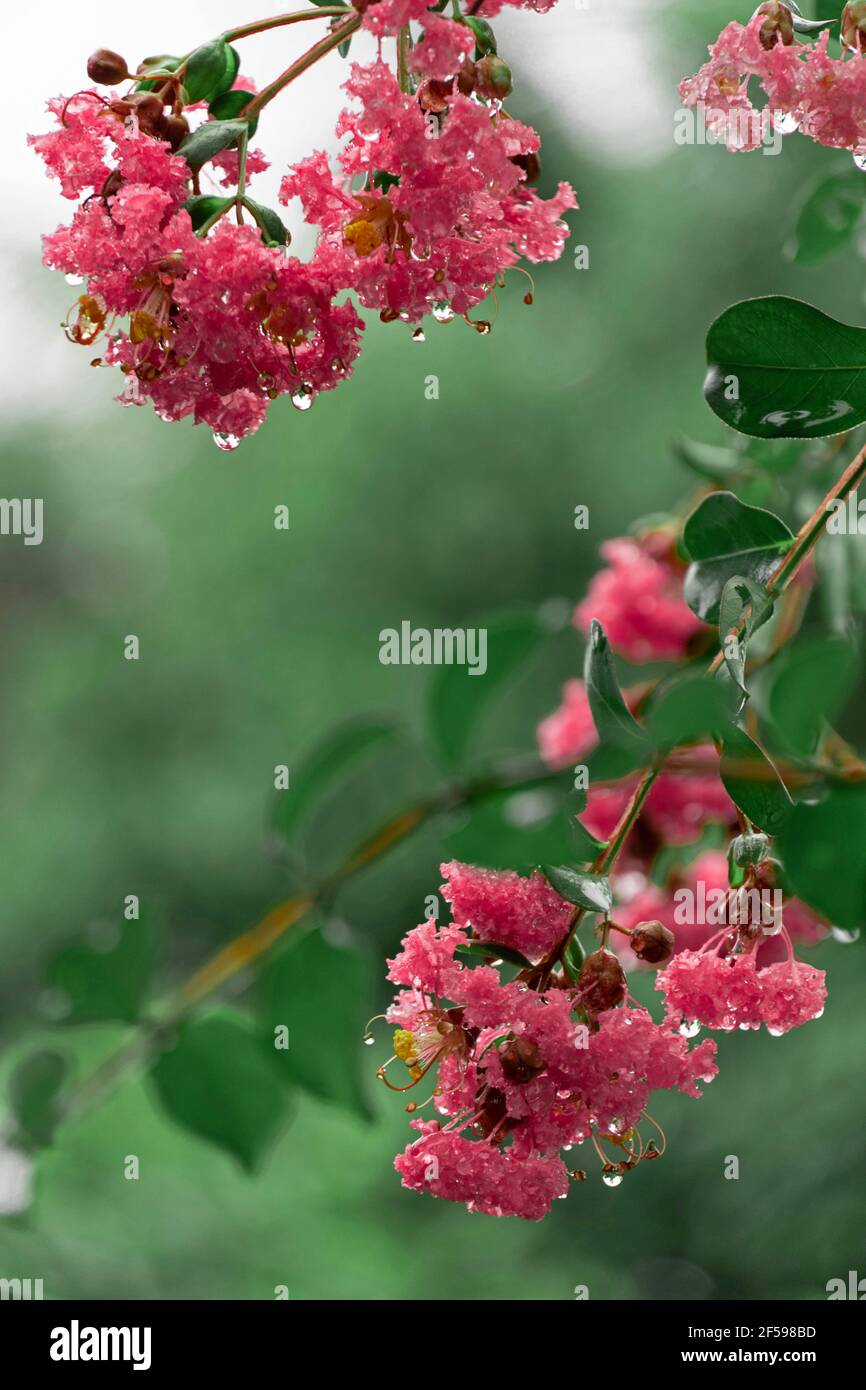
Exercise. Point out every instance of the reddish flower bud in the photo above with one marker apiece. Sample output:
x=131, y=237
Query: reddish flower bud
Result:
x=148, y=107
x=493, y=77
x=175, y=129
x=653, y=942
x=521, y=1060
x=602, y=981
x=107, y=68
x=778, y=25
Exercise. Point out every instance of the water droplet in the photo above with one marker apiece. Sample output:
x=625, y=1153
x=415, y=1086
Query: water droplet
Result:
x=442, y=311
x=368, y=1041
x=775, y=1032
x=226, y=442
x=785, y=123
x=612, y=1179
x=418, y=336
x=860, y=161
x=74, y=279
x=845, y=938
x=690, y=1028
x=302, y=400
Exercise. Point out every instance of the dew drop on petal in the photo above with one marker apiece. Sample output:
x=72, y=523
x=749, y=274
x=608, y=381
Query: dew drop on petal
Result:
x=785, y=122
x=74, y=279
x=226, y=442
x=302, y=400
x=860, y=161
x=418, y=336
x=690, y=1029
x=442, y=311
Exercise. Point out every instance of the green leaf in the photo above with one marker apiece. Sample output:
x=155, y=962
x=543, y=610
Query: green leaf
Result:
x=779, y=368
x=204, y=207
x=811, y=683
x=822, y=850
x=34, y=1090
x=210, y=70
x=485, y=40
x=330, y=760
x=613, y=720
x=229, y=105
x=219, y=1082
x=592, y=891
x=707, y=460
x=385, y=181
x=829, y=218
x=273, y=229
x=96, y=982
x=163, y=62
x=209, y=139
x=752, y=782
x=457, y=699
x=688, y=710
x=726, y=539
x=519, y=829
x=485, y=949
x=343, y=48
x=747, y=604
x=323, y=996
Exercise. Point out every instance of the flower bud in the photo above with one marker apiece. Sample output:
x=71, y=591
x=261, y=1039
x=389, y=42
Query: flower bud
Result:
x=853, y=27
x=521, y=1060
x=107, y=68
x=148, y=108
x=749, y=849
x=602, y=981
x=175, y=129
x=778, y=25
x=653, y=942
x=493, y=77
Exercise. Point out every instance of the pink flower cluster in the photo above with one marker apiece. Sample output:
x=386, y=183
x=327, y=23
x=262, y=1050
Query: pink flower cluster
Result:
x=638, y=599
x=821, y=95
x=730, y=991
x=208, y=319
x=526, y=1068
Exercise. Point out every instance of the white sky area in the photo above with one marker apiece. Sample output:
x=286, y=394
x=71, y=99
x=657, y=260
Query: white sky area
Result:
x=583, y=56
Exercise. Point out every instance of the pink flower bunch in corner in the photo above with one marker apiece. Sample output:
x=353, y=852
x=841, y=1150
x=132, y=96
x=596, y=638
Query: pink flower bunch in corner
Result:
x=188, y=287
x=558, y=1056
x=805, y=86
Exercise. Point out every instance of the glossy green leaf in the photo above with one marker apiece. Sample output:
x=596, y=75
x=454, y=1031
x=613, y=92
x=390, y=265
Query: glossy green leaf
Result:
x=692, y=708
x=457, y=699
x=574, y=956
x=485, y=39
x=210, y=70
x=34, y=1095
x=108, y=978
x=743, y=609
x=209, y=139
x=219, y=1082
x=779, y=368
x=822, y=849
x=323, y=996
x=204, y=207
x=829, y=217
x=724, y=538
x=229, y=105
x=591, y=891
x=486, y=949
x=163, y=62
x=811, y=683
x=517, y=830
x=613, y=720
x=274, y=230
x=328, y=762
x=752, y=782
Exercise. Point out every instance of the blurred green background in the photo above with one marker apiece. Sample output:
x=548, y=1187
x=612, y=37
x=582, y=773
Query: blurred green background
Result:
x=156, y=778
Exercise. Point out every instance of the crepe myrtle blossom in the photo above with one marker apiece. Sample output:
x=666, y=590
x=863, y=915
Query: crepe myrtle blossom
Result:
x=521, y=1070
x=638, y=599
x=803, y=85
x=186, y=282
